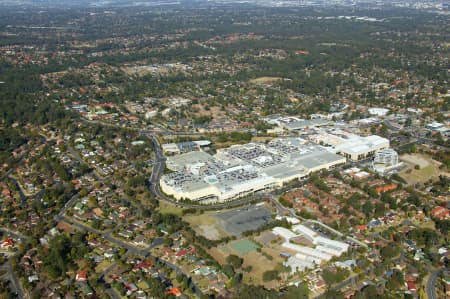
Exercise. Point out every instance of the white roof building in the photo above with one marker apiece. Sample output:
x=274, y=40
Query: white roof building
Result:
x=284, y=232
x=305, y=231
x=298, y=265
x=378, y=111
x=308, y=257
x=337, y=246
x=385, y=160
x=438, y=127
x=308, y=251
x=350, y=145
x=243, y=169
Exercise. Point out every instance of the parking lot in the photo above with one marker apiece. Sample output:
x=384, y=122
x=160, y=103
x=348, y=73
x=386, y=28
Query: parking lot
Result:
x=235, y=222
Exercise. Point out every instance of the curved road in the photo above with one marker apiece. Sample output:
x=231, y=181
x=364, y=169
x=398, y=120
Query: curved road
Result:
x=145, y=252
x=23, y=198
x=15, y=283
x=157, y=172
x=159, y=166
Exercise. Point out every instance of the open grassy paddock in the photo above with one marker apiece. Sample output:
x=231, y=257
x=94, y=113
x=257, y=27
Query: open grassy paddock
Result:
x=428, y=168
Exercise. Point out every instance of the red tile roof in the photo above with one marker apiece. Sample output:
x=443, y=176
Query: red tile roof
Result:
x=81, y=276
x=440, y=213
x=7, y=243
x=174, y=291
x=411, y=286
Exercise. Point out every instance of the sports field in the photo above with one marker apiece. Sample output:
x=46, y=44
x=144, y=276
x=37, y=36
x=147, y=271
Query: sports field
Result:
x=243, y=247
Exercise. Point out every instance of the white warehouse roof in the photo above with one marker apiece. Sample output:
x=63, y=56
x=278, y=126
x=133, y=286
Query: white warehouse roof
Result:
x=284, y=232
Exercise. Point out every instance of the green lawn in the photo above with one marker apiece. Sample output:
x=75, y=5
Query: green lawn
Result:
x=244, y=247
x=167, y=208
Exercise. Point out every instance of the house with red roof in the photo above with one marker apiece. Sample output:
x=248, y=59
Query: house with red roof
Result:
x=386, y=188
x=144, y=266
x=360, y=228
x=7, y=243
x=174, y=291
x=440, y=213
x=181, y=253
x=411, y=286
x=6, y=193
x=81, y=276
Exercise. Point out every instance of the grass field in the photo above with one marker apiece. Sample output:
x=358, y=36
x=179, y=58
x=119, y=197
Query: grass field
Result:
x=102, y=266
x=267, y=259
x=167, y=208
x=243, y=247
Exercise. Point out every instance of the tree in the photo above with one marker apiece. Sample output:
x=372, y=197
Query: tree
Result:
x=57, y=259
x=235, y=261
x=373, y=193
x=334, y=275
x=369, y=291
x=300, y=292
x=389, y=251
x=380, y=209
x=285, y=202
x=321, y=185
x=396, y=281
x=333, y=294
x=270, y=275
x=228, y=270
x=367, y=208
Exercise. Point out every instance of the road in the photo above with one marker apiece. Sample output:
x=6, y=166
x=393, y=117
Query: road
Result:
x=282, y=210
x=430, y=287
x=106, y=235
x=15, y=284
x=14, y=234
x=6, y=174
x=23, y=198
x=113, y=293
x=158, y=170
x=159, y=166
x=67, y=205
x=77, y=157
x=144, y=252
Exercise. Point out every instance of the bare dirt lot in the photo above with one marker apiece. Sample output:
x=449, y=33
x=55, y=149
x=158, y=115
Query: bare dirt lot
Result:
x=428, y=168
x=207, y=225
x=265, y=80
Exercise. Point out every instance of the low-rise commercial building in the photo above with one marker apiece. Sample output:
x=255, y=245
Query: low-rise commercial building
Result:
x=385, y=161
x=351, y=146
x=308, y=257
x=184, y=147
x=378, y=111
